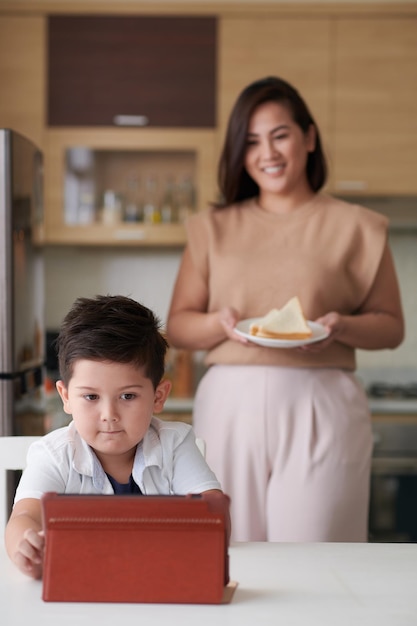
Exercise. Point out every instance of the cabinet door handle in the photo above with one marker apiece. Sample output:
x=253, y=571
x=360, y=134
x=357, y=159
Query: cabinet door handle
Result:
x=351, y=185
x=130, y=120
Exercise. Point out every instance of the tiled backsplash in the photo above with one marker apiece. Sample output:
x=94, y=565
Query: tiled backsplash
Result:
x=149, y=275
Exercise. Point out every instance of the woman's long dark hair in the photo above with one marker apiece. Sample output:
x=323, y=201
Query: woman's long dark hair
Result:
x=235, y=184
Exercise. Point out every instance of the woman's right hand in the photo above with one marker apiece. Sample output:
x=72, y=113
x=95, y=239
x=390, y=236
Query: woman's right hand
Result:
x=229, y=317
x=189, y=325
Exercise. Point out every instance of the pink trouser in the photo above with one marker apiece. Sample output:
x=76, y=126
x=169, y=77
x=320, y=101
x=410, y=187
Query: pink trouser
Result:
x=292, y=448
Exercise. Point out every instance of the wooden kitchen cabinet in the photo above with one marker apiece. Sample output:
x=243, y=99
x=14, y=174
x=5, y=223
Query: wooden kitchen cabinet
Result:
x=22, y=75
x=357, y=74
x=297, y=50
x=64, y=77
x=162, y=69
x=374, y=96
x=168, y=152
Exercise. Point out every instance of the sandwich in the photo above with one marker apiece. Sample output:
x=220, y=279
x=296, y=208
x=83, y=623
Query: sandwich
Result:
x=286, y=323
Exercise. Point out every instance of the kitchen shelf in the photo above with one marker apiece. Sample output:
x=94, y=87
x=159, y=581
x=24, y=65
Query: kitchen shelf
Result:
x=117, y=154
x=122, y=234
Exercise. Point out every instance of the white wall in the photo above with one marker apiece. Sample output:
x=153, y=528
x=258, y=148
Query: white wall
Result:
x=145, y=275
x=404, y=248
x=148, y=276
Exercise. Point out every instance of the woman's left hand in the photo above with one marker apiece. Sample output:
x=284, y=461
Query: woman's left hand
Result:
x=334, y=324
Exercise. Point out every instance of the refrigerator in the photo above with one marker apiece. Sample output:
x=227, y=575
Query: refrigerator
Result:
x=21, y=283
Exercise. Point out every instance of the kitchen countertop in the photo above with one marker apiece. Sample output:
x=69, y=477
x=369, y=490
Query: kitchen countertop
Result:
x=381, y=406
x=389, y=376
x=376, y=405
x=52, y=415
x=319, y=584
x=367, y=376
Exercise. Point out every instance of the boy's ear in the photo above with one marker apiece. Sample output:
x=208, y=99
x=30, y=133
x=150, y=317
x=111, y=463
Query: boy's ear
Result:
x=63, y=392
x=161, y=394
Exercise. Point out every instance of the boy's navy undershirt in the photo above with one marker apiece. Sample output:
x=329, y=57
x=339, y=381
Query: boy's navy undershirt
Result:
x=124, y=488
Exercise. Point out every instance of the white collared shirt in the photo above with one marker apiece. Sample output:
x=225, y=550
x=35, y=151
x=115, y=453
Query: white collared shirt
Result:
x=167, y=461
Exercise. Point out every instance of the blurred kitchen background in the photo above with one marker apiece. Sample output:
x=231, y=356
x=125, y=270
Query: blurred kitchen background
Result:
x=130, y=143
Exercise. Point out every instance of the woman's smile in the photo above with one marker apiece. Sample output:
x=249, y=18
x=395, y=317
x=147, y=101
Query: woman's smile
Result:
x=273, y=169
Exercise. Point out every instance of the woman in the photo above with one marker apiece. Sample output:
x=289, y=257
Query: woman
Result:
x=288, y=431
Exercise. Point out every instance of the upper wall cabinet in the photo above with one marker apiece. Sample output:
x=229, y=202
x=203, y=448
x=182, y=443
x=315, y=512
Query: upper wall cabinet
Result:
x=297, y=50
x=358, y=76
x=375, y=106
x=140, y=70
x=22, y=75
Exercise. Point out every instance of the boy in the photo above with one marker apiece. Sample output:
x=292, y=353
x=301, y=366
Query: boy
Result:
x=111, y=360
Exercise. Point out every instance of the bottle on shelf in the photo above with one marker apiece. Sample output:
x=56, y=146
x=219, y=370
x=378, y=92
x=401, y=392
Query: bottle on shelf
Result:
x=169, y=203
x=112, y=207
x=86, y=208
x=186, y=198
x=133, y=208
x=182, y=374
x=151, y=208
x=72, y=198
x=79, y=186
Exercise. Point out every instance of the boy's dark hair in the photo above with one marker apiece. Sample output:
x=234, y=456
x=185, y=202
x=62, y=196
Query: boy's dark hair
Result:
x=111, y=328
x=235, y=184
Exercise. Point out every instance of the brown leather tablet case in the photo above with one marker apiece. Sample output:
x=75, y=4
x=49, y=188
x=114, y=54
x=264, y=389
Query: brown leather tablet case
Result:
x=121, y=548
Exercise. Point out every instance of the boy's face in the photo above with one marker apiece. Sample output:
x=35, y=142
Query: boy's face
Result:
x=112, y=405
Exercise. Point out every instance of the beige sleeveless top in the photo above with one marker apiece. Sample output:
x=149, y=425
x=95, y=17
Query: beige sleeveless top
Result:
x=326, y=252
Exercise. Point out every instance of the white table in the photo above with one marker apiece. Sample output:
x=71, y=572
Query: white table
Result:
x=279, y=585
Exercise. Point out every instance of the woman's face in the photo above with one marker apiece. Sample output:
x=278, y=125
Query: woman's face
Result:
x=277, y=151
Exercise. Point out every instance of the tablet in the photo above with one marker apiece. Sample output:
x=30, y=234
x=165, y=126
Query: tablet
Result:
x=133, y=548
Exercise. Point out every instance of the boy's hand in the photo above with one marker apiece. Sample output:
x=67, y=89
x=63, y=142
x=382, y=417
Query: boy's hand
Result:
x=29, y=555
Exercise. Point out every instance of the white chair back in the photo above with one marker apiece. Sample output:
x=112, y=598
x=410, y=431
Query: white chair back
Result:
x=13, y=452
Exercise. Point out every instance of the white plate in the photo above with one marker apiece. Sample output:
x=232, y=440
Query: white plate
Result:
x=242, y=329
